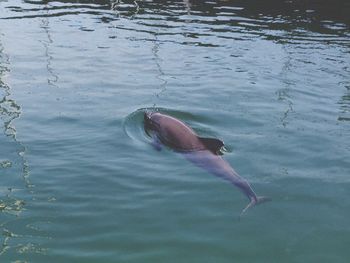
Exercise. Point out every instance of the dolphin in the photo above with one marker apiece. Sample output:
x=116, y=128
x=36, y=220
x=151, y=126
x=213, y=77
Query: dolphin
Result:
x=203, y=152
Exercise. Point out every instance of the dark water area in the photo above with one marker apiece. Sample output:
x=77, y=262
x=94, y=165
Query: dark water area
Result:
x=80, y=181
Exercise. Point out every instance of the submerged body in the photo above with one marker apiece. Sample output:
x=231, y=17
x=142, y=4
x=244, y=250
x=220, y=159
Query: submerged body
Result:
x=203, y=152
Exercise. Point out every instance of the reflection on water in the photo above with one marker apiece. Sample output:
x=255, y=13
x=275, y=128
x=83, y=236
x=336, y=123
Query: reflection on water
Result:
x=287, y=20
x=9, y=111
x=283, y=94
x=126, y=8
x=345, y=106
x=161, y=75
x=53, y=78
x=14, y=168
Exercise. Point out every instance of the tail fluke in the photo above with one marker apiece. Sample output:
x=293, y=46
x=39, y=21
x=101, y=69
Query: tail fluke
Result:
x=255, y=201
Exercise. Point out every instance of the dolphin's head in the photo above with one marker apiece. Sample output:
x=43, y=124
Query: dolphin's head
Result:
x=147, y=116
x=150, y=122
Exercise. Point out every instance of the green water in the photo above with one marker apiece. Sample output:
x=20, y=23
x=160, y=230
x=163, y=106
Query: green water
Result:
x=80, y=181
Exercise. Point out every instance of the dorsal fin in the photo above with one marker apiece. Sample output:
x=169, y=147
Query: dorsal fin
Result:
x=213, y=145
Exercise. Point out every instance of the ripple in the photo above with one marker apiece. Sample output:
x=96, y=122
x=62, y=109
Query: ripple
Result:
x=133, y=126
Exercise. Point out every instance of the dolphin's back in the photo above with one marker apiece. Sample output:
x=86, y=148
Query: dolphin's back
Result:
x=177, y=134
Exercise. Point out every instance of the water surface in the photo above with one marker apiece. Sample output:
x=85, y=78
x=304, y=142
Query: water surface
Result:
x=79, y=180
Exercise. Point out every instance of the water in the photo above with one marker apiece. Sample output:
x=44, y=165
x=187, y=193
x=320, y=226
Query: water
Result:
x=79, y=180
